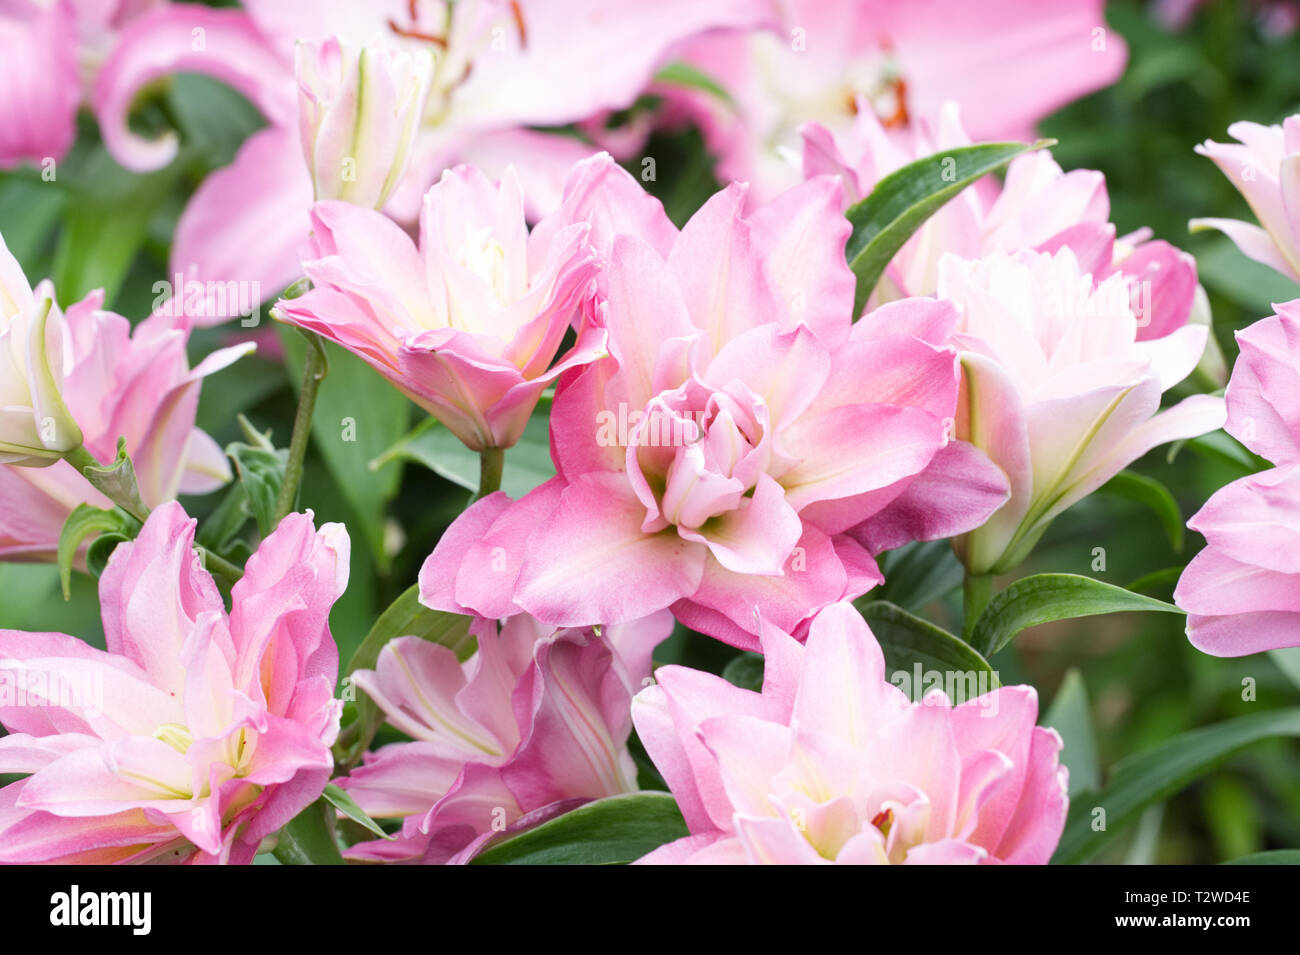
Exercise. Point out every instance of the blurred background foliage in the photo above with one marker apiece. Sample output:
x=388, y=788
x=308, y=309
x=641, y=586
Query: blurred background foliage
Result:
x=1119, y=683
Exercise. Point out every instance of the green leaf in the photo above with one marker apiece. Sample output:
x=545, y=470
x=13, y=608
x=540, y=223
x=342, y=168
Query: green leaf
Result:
x=1151, y=777
x=612, y=831
x=340, y=800
x=86, y=521
x=429, y=444
x=261, y=472
x=405, y=617
x=683, y=74
x=101, y=550
x=903, y=200
x=909, y=641
x=1223, y=447
x=745, y=671
x=308, y=838
x=918, y=574
x=1272, y=857
x=1151, y=494
x=1287, y=660
x=1043, y=598
x=117, y=481
x=358, y=414
x=1070, y=716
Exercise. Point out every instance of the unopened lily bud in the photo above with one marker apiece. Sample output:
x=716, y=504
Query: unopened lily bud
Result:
x=359, y=111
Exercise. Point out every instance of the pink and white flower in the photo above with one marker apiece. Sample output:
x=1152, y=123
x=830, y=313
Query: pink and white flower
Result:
x=198, y=732
x=359, y=111
x=831, y=763
x=1009, y=62
x=1264, y=165
x=1242, y=592
x=468, y=324
x=500, y=67
x=1060, y=388
x=534, y=723
x=107, y=382
x=741, y=425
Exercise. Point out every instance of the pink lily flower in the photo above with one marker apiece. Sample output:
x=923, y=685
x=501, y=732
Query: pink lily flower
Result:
x=831, y=763
x=198, y=732
x=534, y=723
x=500, y=66
x=1264, y=165
x=49, y=51
x=741, y=425
x=468, y=324
x=1242, y=591
x=1060, y=388
x=111, y=382
x=1009, y=63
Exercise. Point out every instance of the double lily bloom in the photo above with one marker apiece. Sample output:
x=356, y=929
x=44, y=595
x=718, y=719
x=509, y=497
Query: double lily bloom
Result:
x=1242, y=592
x=468, y=324
x=739, y=429
x=86, y=376
x=198, y=732
x=831, y=763
x=1060, y=388
x=535, y=723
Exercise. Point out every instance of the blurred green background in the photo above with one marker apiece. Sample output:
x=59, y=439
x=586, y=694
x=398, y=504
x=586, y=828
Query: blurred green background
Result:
x=99, y=226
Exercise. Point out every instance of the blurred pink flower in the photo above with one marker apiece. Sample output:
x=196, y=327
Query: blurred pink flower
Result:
x=468, y=324
x=113, y=383
x=1242, y=592
x=1009, y=62
x=833, y=764
x=740, y=426
x=1060, y=389
x=1264, y=165
x=49, y=54
x=501, y=66
x=198, y=732
x=534, y=723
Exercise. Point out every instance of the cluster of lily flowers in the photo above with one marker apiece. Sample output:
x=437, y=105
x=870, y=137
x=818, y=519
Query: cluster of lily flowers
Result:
x=735, y=440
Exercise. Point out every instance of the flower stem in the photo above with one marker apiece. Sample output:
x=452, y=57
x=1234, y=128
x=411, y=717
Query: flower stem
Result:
x=491, y=462
x=977, y=590
x=215, y=562
x=314, y=370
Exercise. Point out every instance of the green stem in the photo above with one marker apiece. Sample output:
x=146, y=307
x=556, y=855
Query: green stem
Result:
x=215, y=562
x=977, y=591
x=314, y=369
x=125, y=497
x=491, y=462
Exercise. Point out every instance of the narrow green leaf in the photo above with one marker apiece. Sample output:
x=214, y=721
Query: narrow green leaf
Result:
x=918, y=574
x=679, y=73
x=1151, y=777
x=1272, y=857
x=117, y=481
x=909, y=641
x=1043, y=598
x=903, y=200
x=308, y=838
x=430, y=445
x=100, y=550
x=1287, y=660
x=619, y=829
x=1153, y=495
x=745, y=671
x=85, y=521
x=340, y=800
x=1070, y=716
